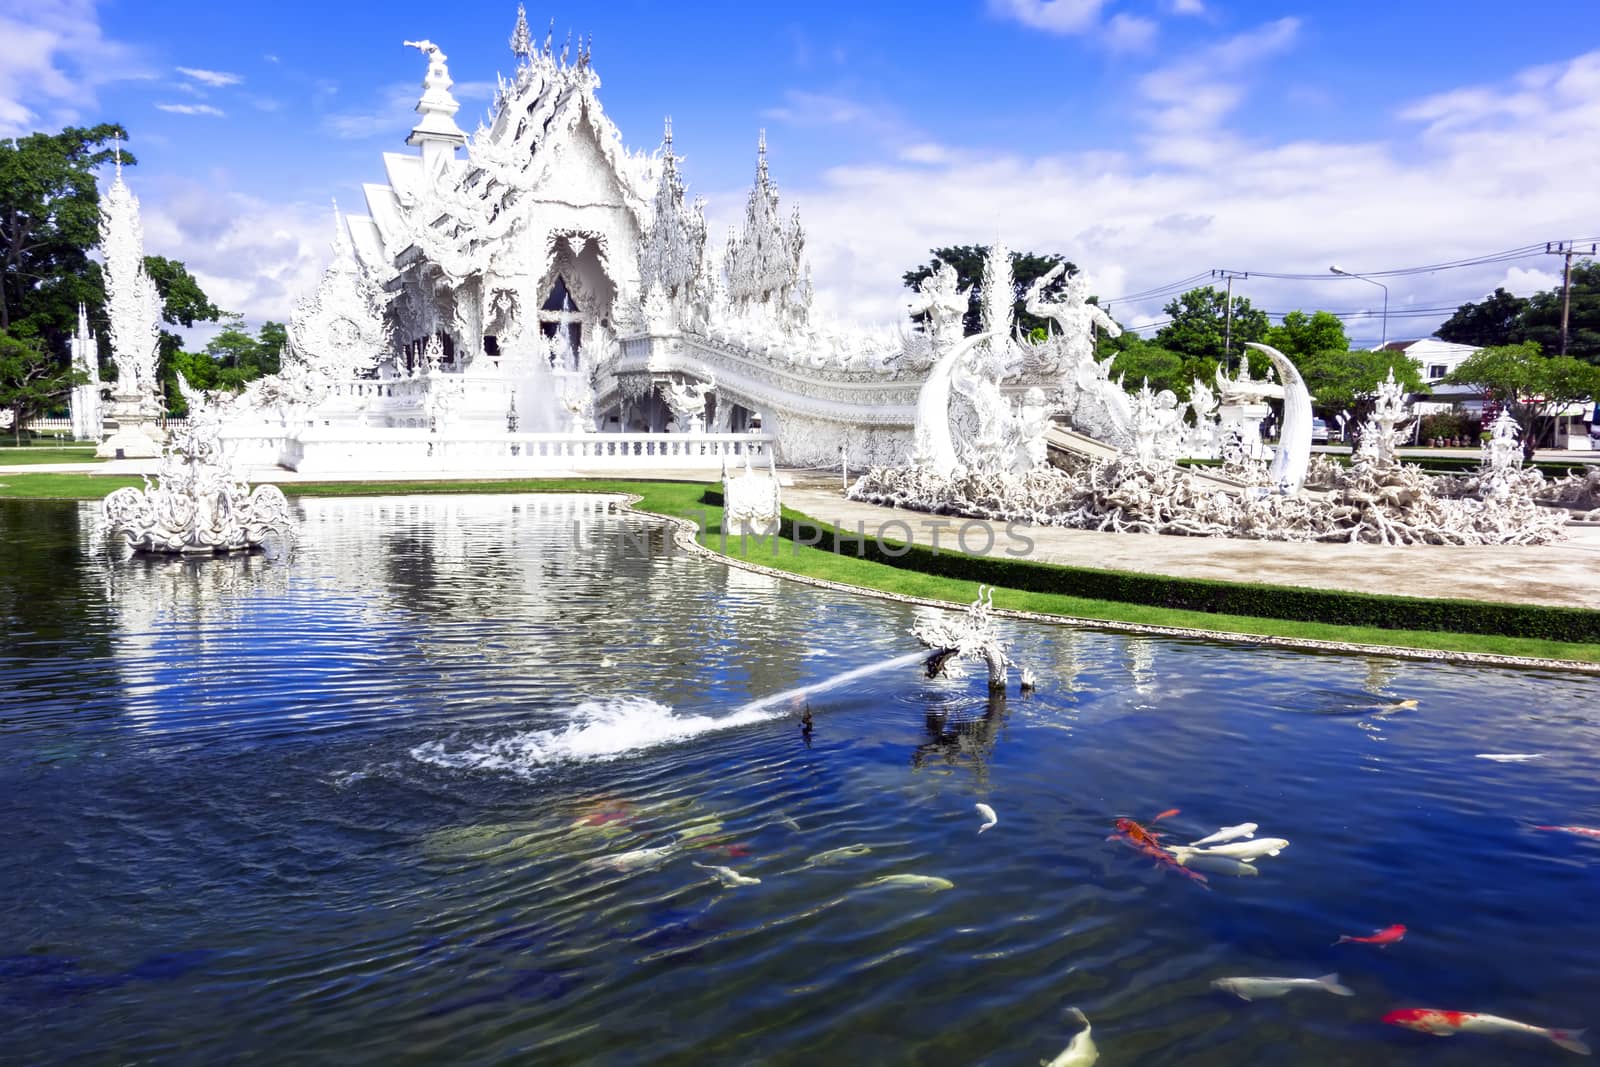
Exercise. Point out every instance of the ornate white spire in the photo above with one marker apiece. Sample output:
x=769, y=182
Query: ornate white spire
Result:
x=765, y=263
x=133, y=304
x=670, y=253
x=521, y=41
x=85, y=399
x=437, y=134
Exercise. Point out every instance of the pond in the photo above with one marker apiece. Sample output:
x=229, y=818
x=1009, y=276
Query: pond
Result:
x=448, y=785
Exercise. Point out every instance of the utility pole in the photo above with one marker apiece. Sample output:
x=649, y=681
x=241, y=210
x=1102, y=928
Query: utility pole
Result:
x=1565, y=250
x=1227, y=324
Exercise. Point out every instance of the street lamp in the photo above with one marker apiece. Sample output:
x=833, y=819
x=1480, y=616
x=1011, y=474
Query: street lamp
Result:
x=1380, y=285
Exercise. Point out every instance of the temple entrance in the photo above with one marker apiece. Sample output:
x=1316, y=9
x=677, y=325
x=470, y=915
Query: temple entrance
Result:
x=561, y=322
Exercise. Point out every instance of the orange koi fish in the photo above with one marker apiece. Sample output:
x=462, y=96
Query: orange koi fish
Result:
x=1142, y=840
x=1382, y=938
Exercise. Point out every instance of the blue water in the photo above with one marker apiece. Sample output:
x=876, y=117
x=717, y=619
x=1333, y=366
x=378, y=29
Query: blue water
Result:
x=358, y=806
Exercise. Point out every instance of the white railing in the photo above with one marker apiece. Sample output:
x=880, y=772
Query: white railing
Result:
x=393, y=450
x=45, y=425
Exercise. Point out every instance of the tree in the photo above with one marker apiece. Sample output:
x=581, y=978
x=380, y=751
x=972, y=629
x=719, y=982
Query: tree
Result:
x=1340, y=380
x=31, y=380
x=1139, y=361
x=968, y=260
x=1533, y=387
x=1541, y=318
x=1300, y=336
x=1503, y=319
x=49, y=219
x=1495, y=321
x=1198, y=323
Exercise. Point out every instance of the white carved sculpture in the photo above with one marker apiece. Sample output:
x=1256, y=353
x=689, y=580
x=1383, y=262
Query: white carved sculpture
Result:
x=752, y=502
x=969, y=637
x=687, y=401
x=1380, y=434
x=339, y=331
x=85, y=400
x=133, y=308
x=1075, y=317
x=198, y=505
x=1288, y=470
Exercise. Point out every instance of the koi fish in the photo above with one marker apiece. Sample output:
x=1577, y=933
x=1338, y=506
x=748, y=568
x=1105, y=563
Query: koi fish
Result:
x=1143, y=841
x=731, y=851
x=912, y=881
x=1251, y=988
x=1450, y=1023
x=1246, y=851
x=1200, y=861
x=1382, y=938
x=1581, y=831
x=1080, y=1052
x=632, y=861
x=1227, y=833
x=834, y=855
x=727, y=875
x=988, y=813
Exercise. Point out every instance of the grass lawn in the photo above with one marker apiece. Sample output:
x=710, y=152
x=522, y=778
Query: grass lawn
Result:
x=31, y=454
x=684, y=499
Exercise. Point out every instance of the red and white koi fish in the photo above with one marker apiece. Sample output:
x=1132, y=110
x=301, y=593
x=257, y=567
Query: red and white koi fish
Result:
x=1382, y=938
x=1449, y=1023
x=1581, y=831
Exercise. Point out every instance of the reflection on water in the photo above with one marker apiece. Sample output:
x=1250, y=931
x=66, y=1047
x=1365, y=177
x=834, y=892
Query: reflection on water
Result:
x=444, y=786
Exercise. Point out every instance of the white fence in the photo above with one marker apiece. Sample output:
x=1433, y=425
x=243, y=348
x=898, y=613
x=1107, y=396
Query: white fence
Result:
x=320, y=450
x=64, y=426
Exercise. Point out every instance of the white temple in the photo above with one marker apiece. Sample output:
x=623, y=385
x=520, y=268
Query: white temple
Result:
x=537, y=296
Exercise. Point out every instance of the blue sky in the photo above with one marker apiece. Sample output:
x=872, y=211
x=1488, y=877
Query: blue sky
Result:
x=1149, y=140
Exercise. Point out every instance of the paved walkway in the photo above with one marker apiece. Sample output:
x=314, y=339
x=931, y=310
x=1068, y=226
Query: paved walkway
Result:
x=1566, y=574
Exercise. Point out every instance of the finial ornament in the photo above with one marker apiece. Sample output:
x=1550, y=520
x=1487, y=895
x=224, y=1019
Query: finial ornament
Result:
x=521, y=41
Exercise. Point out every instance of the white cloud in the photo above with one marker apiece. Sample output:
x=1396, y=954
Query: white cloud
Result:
x=1190, y=98
x=1185, y=7
x=53, y=59
x=1525, y=281
x=1139, y=220
x=191, y=109
x=394, y=113
x=1052, y=16
x=217, y=79
x=1129, y=33
x=248, y=254
x=821, y=109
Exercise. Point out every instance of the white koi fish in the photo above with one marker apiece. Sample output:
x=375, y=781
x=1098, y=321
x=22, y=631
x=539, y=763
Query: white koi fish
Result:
x=1450, y=1023
x=988, y=813
x=1080, y=1052
x=1253, y=988
x=1248, y=851
x=912, y=881
x=728, y=876
x=635, y=860
x=1203, y=861
x=1227, y=833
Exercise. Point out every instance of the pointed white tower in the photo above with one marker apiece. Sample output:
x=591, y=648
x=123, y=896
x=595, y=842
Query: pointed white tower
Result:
x=437, y=134
x=133, y=306
x=86, y=425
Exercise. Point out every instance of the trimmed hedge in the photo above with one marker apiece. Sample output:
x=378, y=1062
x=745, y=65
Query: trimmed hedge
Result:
x=1335, y=607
